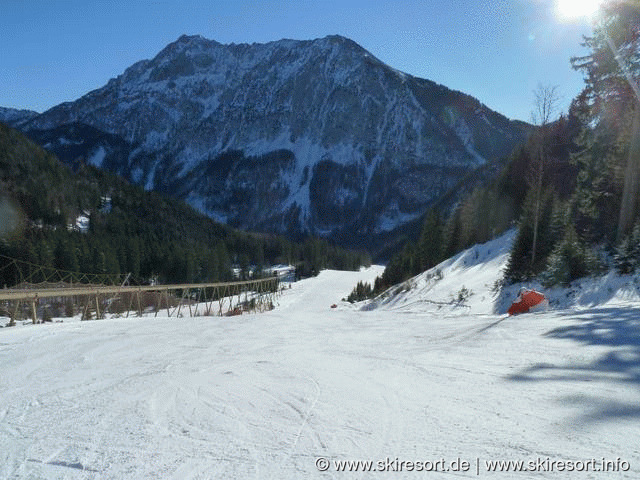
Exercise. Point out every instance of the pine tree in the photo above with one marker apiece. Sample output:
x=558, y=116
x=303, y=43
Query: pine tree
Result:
x=45, y=254
x=133, y=257
x=519, y=266
x=223, y=261
x=627, y=253
x=361, y=292
x=66, y=254
x=452, y=234
x=611, y=71
x=430, y=243
x=570, y=260
x=99, y=261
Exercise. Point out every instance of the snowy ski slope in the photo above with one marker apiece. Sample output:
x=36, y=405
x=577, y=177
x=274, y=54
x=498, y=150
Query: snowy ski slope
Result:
x=413, y=377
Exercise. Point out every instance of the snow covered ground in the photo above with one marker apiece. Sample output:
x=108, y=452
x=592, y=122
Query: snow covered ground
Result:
x=417, y=376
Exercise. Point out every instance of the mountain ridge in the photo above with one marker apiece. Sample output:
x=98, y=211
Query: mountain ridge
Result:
x=331, y=138
x=16, y=117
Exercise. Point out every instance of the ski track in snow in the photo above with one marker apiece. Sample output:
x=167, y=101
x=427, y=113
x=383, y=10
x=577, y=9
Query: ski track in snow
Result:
x=262, y=396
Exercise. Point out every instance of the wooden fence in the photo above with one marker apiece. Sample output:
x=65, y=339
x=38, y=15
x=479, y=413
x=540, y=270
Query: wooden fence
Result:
x=40, y=302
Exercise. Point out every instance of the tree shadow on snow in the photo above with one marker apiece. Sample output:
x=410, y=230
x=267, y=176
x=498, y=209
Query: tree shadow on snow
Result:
x=618, y=329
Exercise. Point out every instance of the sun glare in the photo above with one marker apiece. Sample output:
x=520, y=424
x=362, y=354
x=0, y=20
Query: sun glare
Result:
x=574, y=9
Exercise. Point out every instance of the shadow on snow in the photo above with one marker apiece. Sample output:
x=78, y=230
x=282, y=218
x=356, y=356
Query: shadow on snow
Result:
x=618, y=329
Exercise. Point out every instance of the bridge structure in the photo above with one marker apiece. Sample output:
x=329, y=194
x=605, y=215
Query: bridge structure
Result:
x=67, y=294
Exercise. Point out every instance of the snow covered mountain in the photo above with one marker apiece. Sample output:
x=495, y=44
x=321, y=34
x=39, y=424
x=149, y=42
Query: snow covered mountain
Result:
x=290, y=136
x=15, y=118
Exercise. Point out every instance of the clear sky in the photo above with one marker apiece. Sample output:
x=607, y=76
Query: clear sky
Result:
x=53, y=51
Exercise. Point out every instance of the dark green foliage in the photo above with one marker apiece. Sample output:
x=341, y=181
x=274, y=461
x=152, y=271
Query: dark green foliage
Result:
x=599, y=126
x=558, y=202
x=489, y=211
x=429, y=248
x=521, y=265
x=571, y=259
x=608, y=187
x=415, y=258
x=452, y=234
x=361, y=292
x=600, y=180
x=627, y=253
x=483, y=215
x=131, y=230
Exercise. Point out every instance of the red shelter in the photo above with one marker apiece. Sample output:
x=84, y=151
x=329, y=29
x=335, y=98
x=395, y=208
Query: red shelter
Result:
x=528, y=301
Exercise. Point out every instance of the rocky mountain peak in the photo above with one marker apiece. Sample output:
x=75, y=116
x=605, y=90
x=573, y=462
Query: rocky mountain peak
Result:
x=313, y=136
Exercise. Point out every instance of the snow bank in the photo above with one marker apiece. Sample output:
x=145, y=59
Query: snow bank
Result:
x=465, y=283
x=469, y=283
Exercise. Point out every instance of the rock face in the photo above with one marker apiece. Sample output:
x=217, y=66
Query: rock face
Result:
x=290, y=136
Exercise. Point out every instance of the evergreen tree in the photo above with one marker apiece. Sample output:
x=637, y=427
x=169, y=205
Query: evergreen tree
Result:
x=112, y=265
x=452, y=235
x=430, y=243
x=133, y=257
x=45, y=254
x=571, y=259
x=361, y=292
x=627, y=253
x=66, y=254
x=611, y=143
x=519, y=266
x=99, y=261
x=223, y=261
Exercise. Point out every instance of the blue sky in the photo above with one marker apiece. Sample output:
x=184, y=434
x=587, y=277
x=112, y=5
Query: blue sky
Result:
x=496, y=50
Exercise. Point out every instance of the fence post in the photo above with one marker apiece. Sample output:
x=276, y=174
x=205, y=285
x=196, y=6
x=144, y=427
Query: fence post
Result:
x=34, y=310
x=97, y=307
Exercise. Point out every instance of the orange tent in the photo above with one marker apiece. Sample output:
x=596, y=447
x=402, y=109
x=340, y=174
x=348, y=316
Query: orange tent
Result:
x=528, y=301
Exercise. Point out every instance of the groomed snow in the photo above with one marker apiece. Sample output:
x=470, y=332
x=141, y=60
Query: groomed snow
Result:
x=263, y=396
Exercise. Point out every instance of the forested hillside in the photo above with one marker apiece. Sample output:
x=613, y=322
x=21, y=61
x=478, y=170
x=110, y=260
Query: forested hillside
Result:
x=572, y=190
x=92, y=221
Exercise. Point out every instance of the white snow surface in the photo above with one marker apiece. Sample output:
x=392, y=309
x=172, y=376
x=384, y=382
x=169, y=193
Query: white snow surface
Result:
x=264, y=396
x=97, y=157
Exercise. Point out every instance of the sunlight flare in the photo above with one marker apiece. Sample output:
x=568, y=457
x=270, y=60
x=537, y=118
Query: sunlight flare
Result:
x=575, y=9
